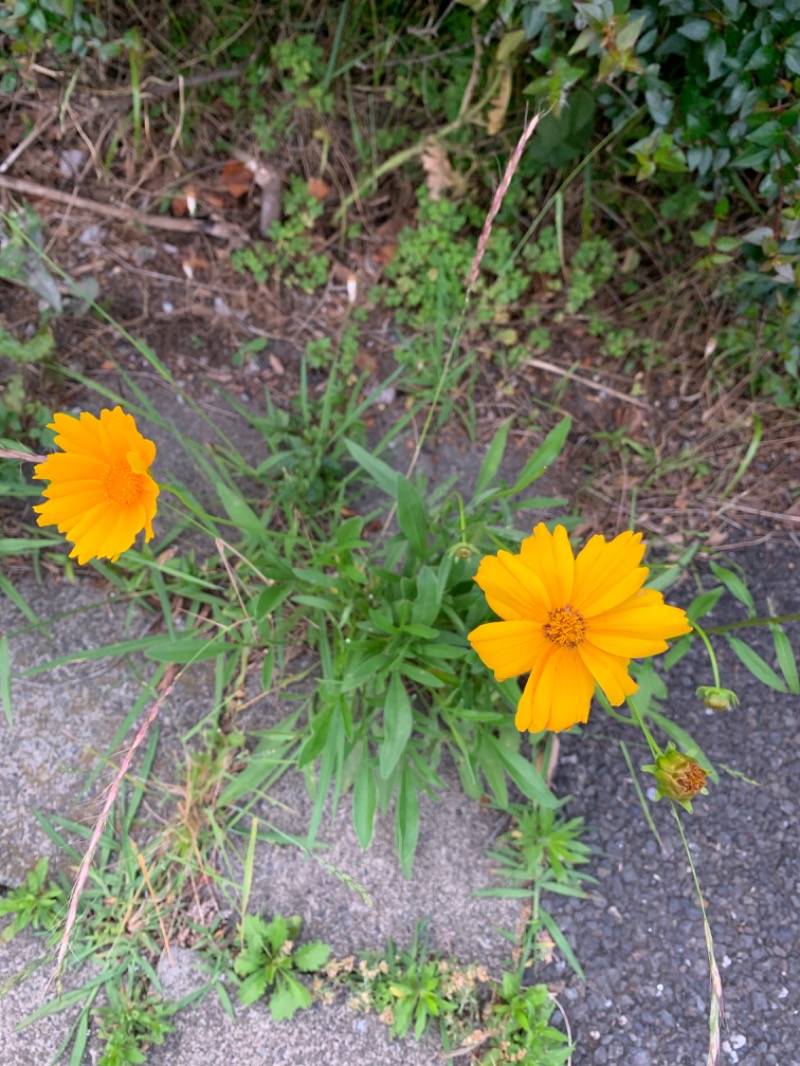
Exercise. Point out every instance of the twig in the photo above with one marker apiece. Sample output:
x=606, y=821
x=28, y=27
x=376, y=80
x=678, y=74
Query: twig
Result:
x=122, y=214
x=551, y=368
x=730, y=505
x=159, y=88
x=97, y=832
x=34, y=135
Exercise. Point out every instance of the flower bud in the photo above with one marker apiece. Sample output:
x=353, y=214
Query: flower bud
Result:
x=678, y=777
x=718, y=699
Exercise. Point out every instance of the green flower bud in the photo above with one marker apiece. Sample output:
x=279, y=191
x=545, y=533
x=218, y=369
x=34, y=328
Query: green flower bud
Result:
x=718, y=699
x=678, y=777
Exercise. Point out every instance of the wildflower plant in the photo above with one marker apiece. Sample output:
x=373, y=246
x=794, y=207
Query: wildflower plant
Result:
x=385, y=599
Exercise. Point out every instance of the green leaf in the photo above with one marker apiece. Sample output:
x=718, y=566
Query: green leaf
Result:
x=365, y=796
x=267, y=670
x=380, y=472
x=628, y=35
x=785, y=657
x=411, y=516
x=755, y=664
x=253, y=988
x=561, y=942
x=398, y=721
x=428, y=600
x=422, y=632
x=407, y=820
x=269, y=599
x=317, y=741
x=487, y=474
x=290, y=996
x=81, y=1039
x=20, y=545
x=370, y=668
x=547, y=451
x=187, y=650
x=323, y=603
x=703, y=603
x=493, y=770
x=238, y=510
x=734, y=584
x=421, y=676
x=311, y=957
x=525, y=776
x=695, y=29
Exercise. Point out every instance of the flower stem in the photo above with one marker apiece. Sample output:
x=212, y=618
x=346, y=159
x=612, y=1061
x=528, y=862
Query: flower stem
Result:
x=620, y=717
x=637, y=718
x=752, y=623
x=715, y=1010
x=712, y=657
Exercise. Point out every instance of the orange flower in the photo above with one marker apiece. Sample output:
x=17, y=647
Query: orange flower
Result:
x=100, y=494
x=572, y=622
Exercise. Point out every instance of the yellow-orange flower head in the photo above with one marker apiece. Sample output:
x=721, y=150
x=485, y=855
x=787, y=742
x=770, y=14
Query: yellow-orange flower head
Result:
x=572, y=622
x=101, y=493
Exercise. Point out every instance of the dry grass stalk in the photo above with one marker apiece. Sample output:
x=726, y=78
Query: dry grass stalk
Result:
x=499, y=196
x=97, y=832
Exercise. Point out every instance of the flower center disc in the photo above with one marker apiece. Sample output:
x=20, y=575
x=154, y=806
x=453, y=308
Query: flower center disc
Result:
x=565, y=627
x=122, y=485
x=692, y=779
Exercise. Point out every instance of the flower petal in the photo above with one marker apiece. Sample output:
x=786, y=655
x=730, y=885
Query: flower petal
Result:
x=609, y=671
x=512, y=589
x=508, y=648
x=76, y=435
x=608, y=573
x=70, y=467
x=638, y=627
x=67, y=509
x=557, y=695
x=549, y=556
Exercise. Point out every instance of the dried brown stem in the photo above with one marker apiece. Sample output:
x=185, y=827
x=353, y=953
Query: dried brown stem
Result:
x=122, y=214
x=97, y=832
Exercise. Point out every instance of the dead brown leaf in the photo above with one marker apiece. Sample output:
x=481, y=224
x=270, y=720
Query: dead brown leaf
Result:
x=237, y=178
x=318, y=188
x=496, y=117
x=439, y=175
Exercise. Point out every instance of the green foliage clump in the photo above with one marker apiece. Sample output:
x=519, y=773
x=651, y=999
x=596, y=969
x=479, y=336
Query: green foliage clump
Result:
x=38, y=903
x=430, y=265
x=131, y=1022
x=418, y=987
x=522, y=1015
x=64, y=27
x=269, y=961
x=290, y=255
